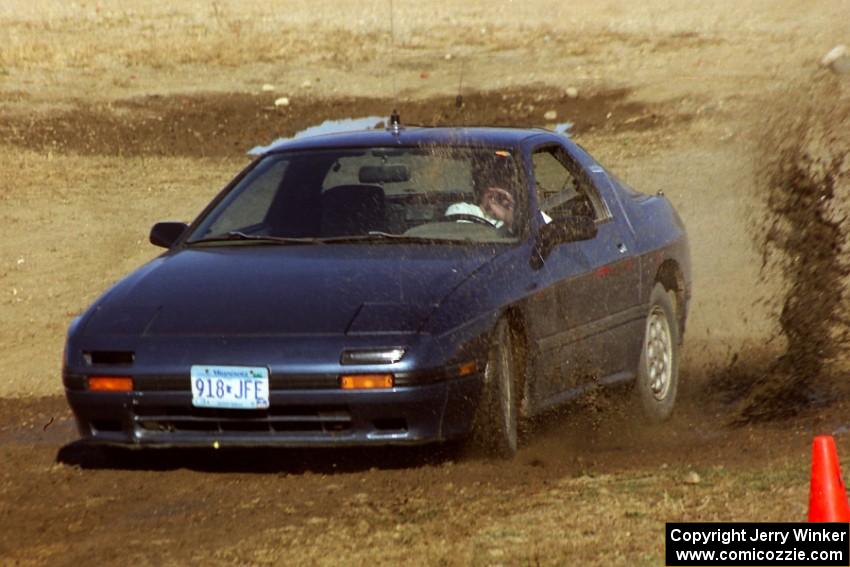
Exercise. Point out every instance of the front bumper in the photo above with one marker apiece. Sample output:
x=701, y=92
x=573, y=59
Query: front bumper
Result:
x=296, y=418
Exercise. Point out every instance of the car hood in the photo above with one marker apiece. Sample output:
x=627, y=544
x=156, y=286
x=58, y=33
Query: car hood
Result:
x=269, y=290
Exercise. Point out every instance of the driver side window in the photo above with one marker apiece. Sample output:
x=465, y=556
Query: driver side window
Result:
x=560, y=193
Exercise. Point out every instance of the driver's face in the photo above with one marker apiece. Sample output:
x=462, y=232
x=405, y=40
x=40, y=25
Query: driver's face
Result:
x=498, y=203
x=494, y=195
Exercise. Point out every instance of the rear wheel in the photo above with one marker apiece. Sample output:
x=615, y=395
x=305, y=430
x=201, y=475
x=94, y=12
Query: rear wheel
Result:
x=658, y=370
x=495, y=429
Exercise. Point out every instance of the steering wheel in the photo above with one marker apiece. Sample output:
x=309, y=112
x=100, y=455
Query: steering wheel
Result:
x=461, y=217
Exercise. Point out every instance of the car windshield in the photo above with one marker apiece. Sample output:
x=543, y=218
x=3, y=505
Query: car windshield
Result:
x=381, y=194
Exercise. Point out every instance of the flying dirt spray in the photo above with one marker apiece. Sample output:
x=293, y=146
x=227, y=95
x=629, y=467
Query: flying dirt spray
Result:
x=805, y=187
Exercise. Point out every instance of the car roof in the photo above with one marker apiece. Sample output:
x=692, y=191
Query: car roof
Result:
x=411, y=136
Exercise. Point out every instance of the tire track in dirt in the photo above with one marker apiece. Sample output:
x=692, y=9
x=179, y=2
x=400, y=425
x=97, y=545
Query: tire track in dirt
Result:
x=227, y=124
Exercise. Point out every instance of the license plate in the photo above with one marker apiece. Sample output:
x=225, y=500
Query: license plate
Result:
x=235, y=387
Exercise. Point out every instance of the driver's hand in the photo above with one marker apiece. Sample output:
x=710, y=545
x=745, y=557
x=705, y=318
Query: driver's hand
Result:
x=499, y=204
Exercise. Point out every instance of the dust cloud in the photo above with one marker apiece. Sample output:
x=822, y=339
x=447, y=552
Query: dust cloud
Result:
x=804, y=185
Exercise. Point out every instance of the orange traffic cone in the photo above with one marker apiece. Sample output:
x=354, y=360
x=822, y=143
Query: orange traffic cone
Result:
x=827, y=499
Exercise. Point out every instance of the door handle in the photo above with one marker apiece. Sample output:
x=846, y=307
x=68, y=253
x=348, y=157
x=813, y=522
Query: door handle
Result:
x=621, y=248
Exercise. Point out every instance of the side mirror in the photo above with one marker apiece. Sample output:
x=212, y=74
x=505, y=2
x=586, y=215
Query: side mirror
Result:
x=561, y=231
x=165, y=234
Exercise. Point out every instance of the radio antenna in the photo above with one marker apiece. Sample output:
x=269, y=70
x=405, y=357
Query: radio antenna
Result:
x=459, y=98
x=392, y=55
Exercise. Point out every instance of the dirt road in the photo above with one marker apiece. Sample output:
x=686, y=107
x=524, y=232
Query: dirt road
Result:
x=114, y=115
x=581, y=493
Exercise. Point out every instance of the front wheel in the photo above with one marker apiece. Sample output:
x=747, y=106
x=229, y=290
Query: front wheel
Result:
x=494, y=429
x=658, y=370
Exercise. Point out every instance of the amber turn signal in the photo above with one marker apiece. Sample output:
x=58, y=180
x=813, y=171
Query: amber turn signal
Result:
x=467, y=368
x=110, y=384
x=365, y=381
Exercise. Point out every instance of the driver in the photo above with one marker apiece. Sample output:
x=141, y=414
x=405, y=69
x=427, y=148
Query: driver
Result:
x=495, y=205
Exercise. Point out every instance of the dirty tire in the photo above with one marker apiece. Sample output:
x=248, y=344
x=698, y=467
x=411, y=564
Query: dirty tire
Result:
x=495, y=428
x=658, y=369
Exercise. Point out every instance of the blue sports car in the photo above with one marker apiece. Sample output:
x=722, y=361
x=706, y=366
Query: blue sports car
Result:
x=395, y=286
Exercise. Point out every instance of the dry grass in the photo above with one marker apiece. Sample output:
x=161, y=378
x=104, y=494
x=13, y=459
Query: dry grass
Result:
x=134, y=45
x=215, y=35
x=107, y=43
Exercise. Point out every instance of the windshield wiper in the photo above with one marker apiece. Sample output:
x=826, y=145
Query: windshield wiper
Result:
x=236, y=236
x=379, y=236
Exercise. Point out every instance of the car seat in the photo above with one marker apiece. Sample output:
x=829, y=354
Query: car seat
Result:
x=349, y=210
